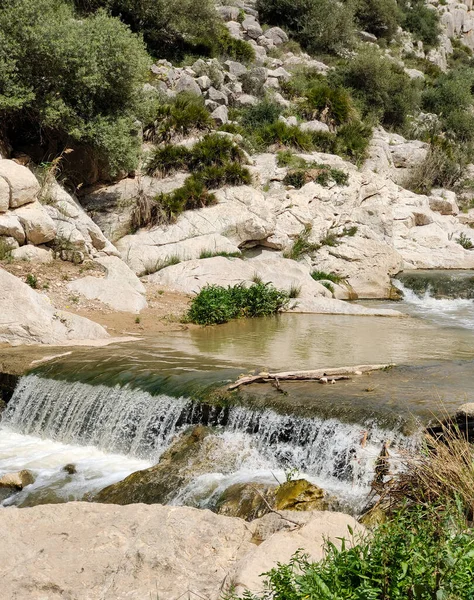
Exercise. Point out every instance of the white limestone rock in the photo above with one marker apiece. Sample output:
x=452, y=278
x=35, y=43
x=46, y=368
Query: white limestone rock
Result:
x=23, y=185
x=38, y=225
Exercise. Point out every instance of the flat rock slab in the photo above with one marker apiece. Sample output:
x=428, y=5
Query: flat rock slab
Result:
x=80, y=551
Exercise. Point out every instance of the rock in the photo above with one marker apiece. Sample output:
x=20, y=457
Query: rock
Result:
x=314, y=126
x=235, y=30
x=444, y=202
x=251, y=501
x=228, y=13
x=465, y=411
x=280, y=547
x=279, y=73
x=414, y=74
x=27, y=317
x=23, y=185
x=188, y=457
x=70, y=468
x=220, y=115
x=187, y=84
x=246, y=100
x=365, y=36
x=38, y=225
x=204, y=82
x=254, y=80
x=252, y=27
x=272, y=83
x=4, y=195
x=17, y=480
x=10, y=226
x=33, y=254
x=82, y=550
x=216, y=96
x=235, y=68
x=277, y=35
x=120, y=288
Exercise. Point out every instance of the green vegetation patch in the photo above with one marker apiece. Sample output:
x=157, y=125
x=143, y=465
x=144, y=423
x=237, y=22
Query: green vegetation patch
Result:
x=216, y=304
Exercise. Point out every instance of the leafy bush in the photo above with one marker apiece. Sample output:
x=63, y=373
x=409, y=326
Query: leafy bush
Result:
x=322, y=276
x=166, y=159
x=442, y=167
x=423, y=553
x=321, y=174
x=380, y=17
x=465, y=242
x=318, y=25
x=187, y=112
x=382, y=87
x=68, y=82
x=284, y=135
x=216, y=304
x=170, y=28
x=261, y=114
x=32, y=281
x=421, y=21
x=352, y=140
x=301, y=245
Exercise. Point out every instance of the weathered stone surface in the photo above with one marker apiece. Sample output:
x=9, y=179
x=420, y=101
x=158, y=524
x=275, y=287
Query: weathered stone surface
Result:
x=11, y=226
x=281, y=546
x=187, y=84
x=120, y=288
x=81, y=550
x=252, y=27
x=23, y=185
x=220, y=115
x=33, y=254
x=17, y=480
x=38, y=225
x=27, y=317
x=277, y=35
x=4, y=195
x=314, y=126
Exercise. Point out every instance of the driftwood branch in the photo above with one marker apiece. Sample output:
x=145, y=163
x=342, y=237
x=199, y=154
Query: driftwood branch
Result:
x=321, y=375
x=272, y=510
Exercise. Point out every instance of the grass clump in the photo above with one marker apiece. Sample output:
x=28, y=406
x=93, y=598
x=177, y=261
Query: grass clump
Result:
x=5, y=250
x=216, y=304
x=212, y=254
x=319, y=173
x=464, y=241
x=322, y=276
x=301, y=246
x=32, y=281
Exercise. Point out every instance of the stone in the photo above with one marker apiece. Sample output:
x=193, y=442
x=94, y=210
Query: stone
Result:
x=465, y=411
x=187, y=84
x=444, y=202
x=279, y=73
x=365, y=36
x=235, y=68
x=217, y=96
x=204, y=82
x=235, y=29
x=314, y=126
x=17, y=480
x=38, y=225
x=414, y=74
x=33, y=254
x=272, y=83
x=211, y=105
x=277, y=35
x=23, y=185
x=220, y=115
x=120, y=288
x=252, y=27
x=4, y=195
x=246, y=100
x=281, y=546
x=27, y=317
x=10, y=226
x=251, y=501
x=228, y=13
x=84, y=550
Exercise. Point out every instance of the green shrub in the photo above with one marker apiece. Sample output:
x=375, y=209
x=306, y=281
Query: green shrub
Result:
x=420, y=20
x=322, y=174
x=322, y=276
x=443, y=167
x=425, y=553
x=170, y=28
x=166, y=159
x=216, y=304
x=69, y=82
x=465, y=242
x=382, y=87
x=352, y=140
x=261, y=114
x=214, y=150
x=32, y=281
x=187, y=112
x=318, y=25
x=334, y=103
x=284, y=135
x=380, y=17
x=212, y=254
x=297, y=179
x=301, y=245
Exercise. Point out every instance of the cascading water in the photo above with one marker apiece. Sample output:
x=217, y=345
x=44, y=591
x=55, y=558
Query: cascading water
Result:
x=136, y=425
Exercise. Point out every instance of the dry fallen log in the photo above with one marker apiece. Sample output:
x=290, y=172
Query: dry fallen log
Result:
x=321, y=375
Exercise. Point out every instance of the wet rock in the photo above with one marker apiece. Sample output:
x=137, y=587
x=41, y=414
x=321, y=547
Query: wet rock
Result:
x=156, y=485
x=70, y=468
x=17, y=481
x=250, y=501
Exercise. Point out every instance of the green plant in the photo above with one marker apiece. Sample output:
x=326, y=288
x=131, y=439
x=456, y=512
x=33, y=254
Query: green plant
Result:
x=294, y=291
x=318, y=25
x=137, y=320
x=322, y=174
x=424, y=553
x=166, y=159
x=5, y=249
x=301, y=245
x=297, y=179
x=216, y=304
x=442, y=167
x=261, y=114
x=159, y=264
x=465, y=241
x=187, y=112
x=69, y=82
x=328, y=285
x=421, y=21
x=32, y=281
x=322, y=276
x=211, y=254
x=380, y=17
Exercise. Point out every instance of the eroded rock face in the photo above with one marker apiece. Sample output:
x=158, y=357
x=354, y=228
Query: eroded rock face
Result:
x=27, y=317
x=17, y=480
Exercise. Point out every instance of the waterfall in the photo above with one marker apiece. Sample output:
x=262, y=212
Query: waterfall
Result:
x=132, y=422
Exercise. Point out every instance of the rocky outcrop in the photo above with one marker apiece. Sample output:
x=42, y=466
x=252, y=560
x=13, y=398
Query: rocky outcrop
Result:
x=27, y=317
x=120, y=288
x=136, y=552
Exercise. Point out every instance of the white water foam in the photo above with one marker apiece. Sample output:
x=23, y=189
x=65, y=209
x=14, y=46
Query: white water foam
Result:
x=457, y=312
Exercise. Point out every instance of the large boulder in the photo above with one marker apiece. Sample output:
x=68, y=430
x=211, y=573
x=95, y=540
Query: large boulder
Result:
x=80, y=550
x=10, y=226
x=38, y=225
x=120, y=288
x=23, y=185
x=27, y=317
